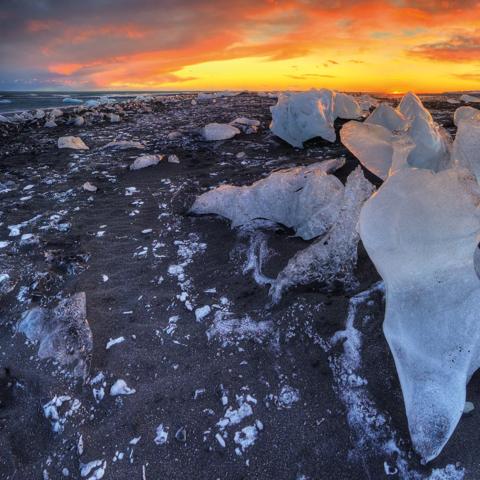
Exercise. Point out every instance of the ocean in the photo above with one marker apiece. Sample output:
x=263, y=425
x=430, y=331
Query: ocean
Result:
x=20, y=101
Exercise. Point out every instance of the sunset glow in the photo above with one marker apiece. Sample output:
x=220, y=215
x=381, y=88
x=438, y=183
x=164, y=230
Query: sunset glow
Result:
x=387, y=46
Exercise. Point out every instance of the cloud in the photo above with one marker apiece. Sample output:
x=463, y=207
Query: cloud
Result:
x=475, y=77
x=460, y=47
x=307, y=76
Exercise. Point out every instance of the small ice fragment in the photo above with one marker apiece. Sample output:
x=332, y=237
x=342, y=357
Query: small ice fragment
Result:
x=219, y=131
x=202, y=312
x=220, y=440
x=129, y=191
x=74, y=143
x=120, y=388
x=246, y=437
x=87, y=186
x=162, y=435
x=114, y=341
x=146, y=161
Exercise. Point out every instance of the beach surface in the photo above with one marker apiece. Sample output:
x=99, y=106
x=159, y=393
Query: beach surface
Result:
x=243, y=389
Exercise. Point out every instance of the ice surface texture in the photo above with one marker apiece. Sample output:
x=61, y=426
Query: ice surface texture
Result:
x=332, y=257
x=421, y=230
x=63, y=333
x=306, y=199
x=374, y=141
x=298, y=117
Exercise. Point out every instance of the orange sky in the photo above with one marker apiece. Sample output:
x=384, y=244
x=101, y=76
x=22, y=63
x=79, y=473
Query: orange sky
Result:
x=396, y=45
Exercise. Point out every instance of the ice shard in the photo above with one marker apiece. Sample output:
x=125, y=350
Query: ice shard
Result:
x=387, y=117
x=466, y=147
x=421, y=229
x=298, y=117
x=62, y=333
x=332, y=257
x=465, y=113
x=373, y=142
x=306, y=199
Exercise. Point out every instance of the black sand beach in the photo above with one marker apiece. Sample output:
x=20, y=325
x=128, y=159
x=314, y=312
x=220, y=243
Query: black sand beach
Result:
x=297, y=407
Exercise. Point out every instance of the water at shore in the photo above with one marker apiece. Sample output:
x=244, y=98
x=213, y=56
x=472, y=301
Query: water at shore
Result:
x=19, y=101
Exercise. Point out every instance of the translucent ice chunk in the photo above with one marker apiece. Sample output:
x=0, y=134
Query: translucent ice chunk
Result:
x=298, y=117
x=332, y=257
x=306, y=199
x=63, y=333
x=421, y=230
x=373, y=142
x=466, y=147
x=388, y=117
x=465, y=113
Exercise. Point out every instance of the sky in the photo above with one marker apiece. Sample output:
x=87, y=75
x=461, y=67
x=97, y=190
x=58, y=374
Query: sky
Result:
x=358, y=45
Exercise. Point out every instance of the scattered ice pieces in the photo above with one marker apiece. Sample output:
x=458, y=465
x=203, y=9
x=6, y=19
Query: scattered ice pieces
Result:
x=173, y=159
x=74, y=143
x=120, y=388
